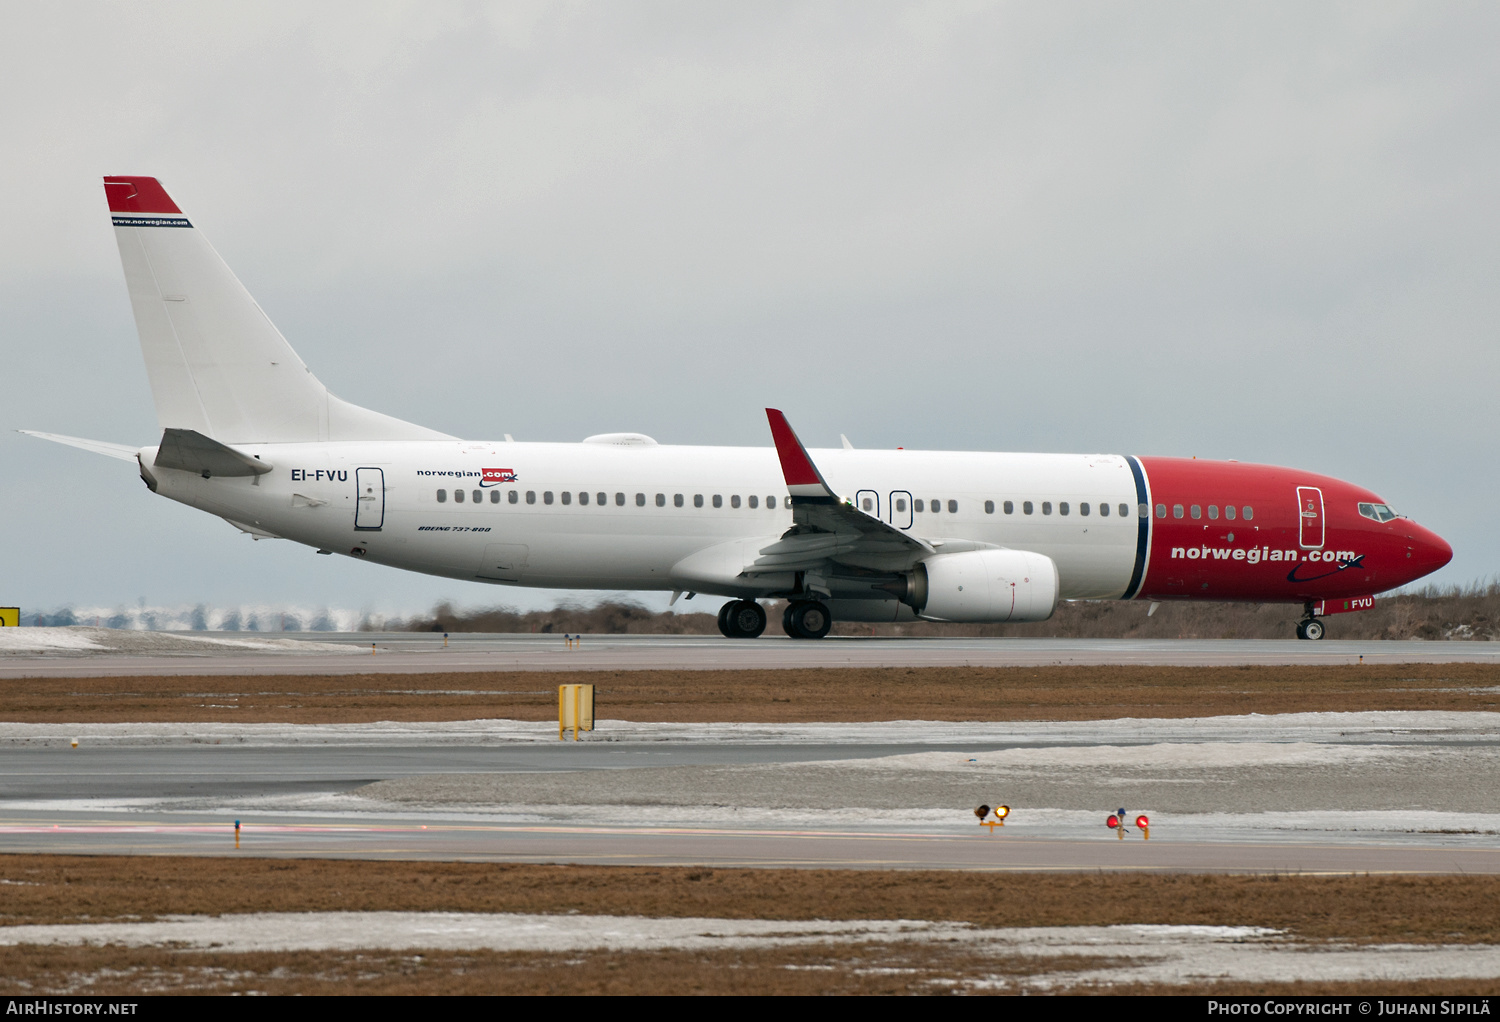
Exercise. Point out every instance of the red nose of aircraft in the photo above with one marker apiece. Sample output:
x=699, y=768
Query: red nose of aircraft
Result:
x=1426, y=550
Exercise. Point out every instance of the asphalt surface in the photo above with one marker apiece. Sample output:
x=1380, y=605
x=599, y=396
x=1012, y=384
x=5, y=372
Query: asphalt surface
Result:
x=426, y=653
x=1377, y=792
x=872, y=848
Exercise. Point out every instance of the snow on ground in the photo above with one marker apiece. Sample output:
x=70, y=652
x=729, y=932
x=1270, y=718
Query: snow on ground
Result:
x=1387, y=727
x=1161, y=755
x=1150, y=954
x=82, y=641
x=45, y=640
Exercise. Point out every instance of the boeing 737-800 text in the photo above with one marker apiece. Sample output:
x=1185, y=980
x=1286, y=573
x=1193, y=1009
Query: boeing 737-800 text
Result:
x=249, y=434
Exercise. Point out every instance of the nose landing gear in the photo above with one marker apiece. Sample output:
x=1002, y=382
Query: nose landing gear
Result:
x=742, y=619
x=1312, y=628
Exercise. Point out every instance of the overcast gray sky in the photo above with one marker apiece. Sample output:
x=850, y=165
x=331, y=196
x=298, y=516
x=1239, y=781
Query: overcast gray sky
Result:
x=1261, y=231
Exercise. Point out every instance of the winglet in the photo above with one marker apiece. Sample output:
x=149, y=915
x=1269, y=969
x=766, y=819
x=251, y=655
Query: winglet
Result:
x=802, y=477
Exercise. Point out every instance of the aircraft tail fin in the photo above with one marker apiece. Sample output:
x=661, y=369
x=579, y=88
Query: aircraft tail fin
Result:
x=217, y=364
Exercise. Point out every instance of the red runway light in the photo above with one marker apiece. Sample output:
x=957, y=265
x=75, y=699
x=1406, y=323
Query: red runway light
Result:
x=1112, y=822
x=1142, y=822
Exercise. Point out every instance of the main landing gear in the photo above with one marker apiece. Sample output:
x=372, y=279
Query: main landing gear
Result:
x=742, y=619
x=1312, y=628
x=806, y=619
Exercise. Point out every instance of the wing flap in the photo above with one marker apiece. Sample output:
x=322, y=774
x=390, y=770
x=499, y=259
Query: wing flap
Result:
x=824, y=528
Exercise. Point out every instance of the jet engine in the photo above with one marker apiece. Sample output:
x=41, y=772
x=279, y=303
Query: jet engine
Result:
x=984, y=586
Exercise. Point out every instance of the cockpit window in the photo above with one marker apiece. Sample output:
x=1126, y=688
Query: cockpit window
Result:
x=1378, y=512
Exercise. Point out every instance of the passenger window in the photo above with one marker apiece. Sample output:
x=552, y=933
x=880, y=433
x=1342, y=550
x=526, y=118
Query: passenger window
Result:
x=1083, y=509
x=771, y=503
x=1103, y=510
x=918, y=505
x=442, y=496
x=1062, y=507
x=478, y=496
x=547, y=496
x=718, y=500
x=583, y=499
x=620, y=499
x=754, y=501
x=603, y=498
x=1176, y=510
x=567, y=497
x=513, y=497
x=1046, y=507
x=1026, y=507
x=494, y=496
x=1196, y=511
x=1229, y=511
x=1008, y=507
x=1213, y=512
x=1161, y=510
x=953, y=507
x=531, y=497
x=697, y=500
x=1247, y=512
x=936, y=506
x=661, y=500
x=734, y=501
x=640, y=500
x=458, y=496
x=1145, y=510
x=677, y=500
x=989, y=507
x=900, y=503
x=867, y=504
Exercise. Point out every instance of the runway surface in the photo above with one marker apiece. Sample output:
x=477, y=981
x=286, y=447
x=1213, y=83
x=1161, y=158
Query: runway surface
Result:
x=1320, y=792
x=208, y=653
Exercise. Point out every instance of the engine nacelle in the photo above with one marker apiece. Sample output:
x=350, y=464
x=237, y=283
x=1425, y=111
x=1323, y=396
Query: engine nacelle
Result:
x=985, y=586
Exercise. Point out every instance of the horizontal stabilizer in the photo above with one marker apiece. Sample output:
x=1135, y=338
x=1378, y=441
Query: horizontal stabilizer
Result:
x=121, y=451
x=191, y=451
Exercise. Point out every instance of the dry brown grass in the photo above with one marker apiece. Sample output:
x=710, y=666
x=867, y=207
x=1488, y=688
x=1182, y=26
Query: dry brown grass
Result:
x=1419, y=909
x=905, y=968
x=826, y=694
x=78, y=888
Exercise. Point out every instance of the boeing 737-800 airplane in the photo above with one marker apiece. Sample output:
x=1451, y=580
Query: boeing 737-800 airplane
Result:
x=249, y=434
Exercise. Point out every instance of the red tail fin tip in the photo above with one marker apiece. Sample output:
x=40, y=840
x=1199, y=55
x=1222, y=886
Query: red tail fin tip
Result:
x=138, y=195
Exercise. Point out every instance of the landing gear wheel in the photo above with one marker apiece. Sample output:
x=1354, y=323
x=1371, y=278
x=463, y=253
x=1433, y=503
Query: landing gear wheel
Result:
x=1312, y=628
x=742, y=619
x=807, y=619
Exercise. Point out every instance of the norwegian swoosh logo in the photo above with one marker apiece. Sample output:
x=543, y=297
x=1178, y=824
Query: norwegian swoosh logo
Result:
x=1357, y=561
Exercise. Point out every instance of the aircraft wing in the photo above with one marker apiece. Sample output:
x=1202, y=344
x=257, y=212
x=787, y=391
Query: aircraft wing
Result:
x=825, y=528
x=121, y=451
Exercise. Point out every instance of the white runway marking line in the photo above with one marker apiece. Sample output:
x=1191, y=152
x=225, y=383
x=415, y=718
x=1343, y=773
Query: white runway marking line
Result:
x=1153, y=954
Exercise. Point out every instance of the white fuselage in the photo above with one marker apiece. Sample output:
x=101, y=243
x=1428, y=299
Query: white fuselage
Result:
x=380, y=501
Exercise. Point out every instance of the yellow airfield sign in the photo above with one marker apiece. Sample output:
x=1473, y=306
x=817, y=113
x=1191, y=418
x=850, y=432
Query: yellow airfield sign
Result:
x=10, y=617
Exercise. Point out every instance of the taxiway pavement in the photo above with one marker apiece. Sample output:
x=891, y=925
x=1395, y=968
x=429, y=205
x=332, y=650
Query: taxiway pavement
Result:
x=212, y=653
x=1377, y=792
